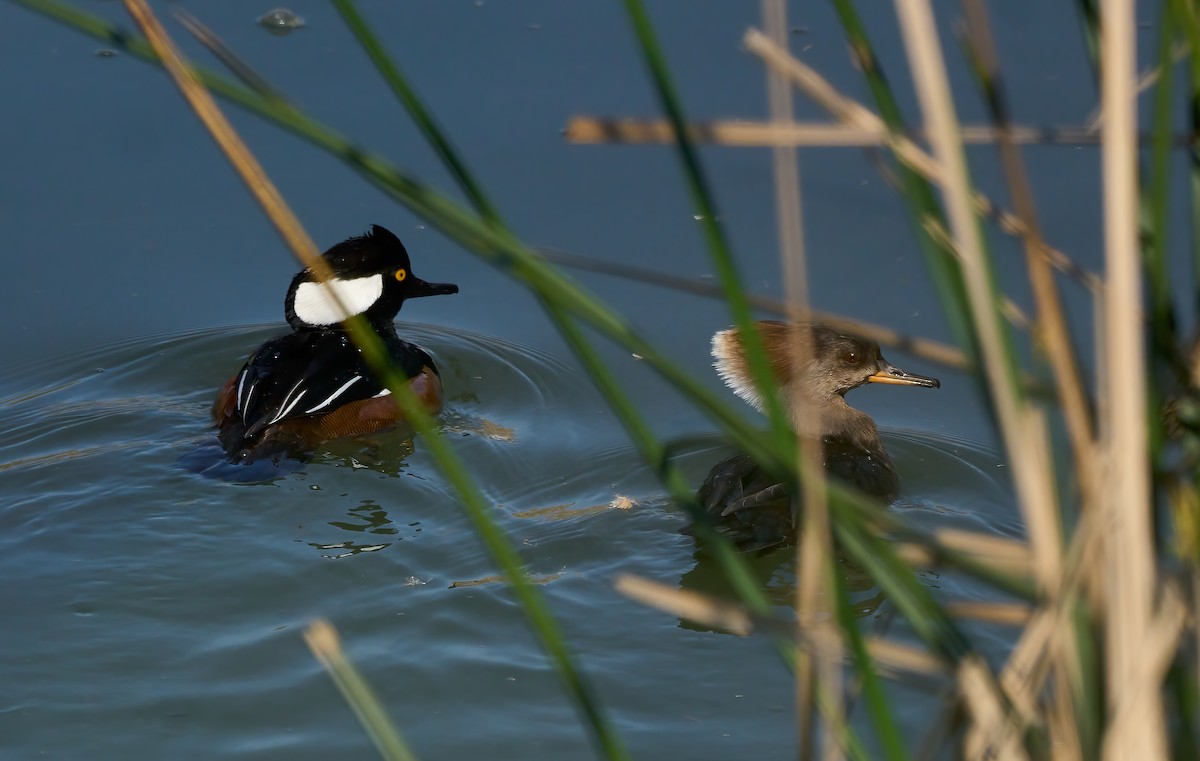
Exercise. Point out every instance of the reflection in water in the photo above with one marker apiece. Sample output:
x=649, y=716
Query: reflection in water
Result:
x=350, y=549
x=368, y=518
x=947, y=483
x=774, y=571
x=552, y=461
x=376, y=520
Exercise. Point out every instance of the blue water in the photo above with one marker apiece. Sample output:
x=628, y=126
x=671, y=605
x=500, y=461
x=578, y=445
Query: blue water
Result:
x=151, y=612
x=158, y=609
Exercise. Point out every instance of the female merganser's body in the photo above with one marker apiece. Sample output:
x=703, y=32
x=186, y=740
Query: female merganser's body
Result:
x=750, y=506
x=313, y=384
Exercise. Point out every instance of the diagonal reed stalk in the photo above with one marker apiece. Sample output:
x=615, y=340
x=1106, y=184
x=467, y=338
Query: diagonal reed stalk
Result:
x=782, y=439
x=494, y=246
x=536, y=611
x=818, y=669
x=650, y=448
x=1085, y=677
x=322, y=639
x=1023, y=433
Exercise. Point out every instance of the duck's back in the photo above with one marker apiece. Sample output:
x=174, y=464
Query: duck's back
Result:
x=313, y=385
x=755, y=511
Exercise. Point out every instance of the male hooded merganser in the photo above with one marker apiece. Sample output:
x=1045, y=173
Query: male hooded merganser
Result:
x=748, y=504
x=313, y=384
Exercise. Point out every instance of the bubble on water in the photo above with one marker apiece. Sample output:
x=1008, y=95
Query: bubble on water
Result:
x=281, y=21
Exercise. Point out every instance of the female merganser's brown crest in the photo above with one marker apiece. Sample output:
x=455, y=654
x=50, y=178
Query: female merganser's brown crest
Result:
x=736, y=492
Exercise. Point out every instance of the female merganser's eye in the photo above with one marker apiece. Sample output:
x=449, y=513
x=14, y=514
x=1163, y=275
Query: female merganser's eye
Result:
x=851, y=357
x=401, y=274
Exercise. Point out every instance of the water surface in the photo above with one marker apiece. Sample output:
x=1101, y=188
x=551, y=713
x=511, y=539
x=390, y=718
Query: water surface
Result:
x=156, y=613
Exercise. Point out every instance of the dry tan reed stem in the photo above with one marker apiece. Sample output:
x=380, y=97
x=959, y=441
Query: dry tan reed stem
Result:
x=684, y=603
x=1042, y=648
x=858, y=116
x=1003, y=555
x=1029, y=662
x=1008, y=308
x=1005, y=614
x=251, y=172
x=1052, y=324
x=735, y=618
x=1158, y=650
x=800, y=134
x=1060, y=354
x=1147, y=78
x=1135, y=731
x=992, y=729
x=818, y=669
x=934, y=351
x=897, y=657
x=992, y=734
x=1020, y=429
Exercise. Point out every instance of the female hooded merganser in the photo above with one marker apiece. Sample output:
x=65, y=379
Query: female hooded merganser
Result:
x=313, y=384
x=751, y=507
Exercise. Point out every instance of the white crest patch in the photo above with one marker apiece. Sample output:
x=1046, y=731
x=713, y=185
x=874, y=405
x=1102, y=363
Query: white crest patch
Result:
x=731, y=367
x=314, y=306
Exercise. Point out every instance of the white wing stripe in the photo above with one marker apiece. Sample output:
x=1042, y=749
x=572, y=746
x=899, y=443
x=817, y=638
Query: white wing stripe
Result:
x=335, y=394
x=385, y=392
x=249, y=393
x=288, y=408
x=241, y=382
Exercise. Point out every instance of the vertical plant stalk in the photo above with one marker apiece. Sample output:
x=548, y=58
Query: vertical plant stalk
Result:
x=219, y=127
x=1051, y=321
x=648, y=445
x=810, y=508
x=537, y=614
x=416, y=109
x=1030, y=474
x=1059, y=352
x=1024, y=438
x=1188, y=16
x=322, y=639
x=498, y=248
x=926, y=212
x=1136, y=731
x=714, y=234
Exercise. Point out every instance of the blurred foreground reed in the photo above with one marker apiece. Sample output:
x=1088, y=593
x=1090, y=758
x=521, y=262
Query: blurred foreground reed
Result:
x=1104, y=587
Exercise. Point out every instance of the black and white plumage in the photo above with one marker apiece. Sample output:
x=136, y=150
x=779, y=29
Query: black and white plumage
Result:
x=748, y=504
x=313, y=383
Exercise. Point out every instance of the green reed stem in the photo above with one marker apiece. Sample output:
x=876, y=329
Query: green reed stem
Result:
x=1088, y=694
x=928, y=619
x=537, y=612
x=1155, y=200
x=1185, y=13
x=1089, y=25
x=651, y=449
x=424, y=120
x=917, y=192
x=887, y=731
x=714, y=234
x=493, y=245
x=733, y=564
x=1183, y=686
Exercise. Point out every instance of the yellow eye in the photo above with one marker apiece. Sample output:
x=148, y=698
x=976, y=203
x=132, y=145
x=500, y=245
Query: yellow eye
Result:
x=401, y=274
